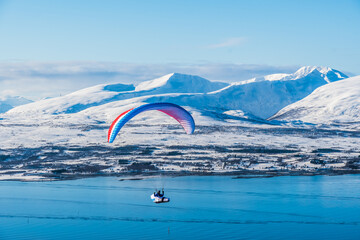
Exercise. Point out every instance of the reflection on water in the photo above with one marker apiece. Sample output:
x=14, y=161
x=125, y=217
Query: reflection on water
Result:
x=318, y=207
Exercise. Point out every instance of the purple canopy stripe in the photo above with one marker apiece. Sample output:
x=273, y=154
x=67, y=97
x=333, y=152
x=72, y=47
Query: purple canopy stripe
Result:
x=173, y=110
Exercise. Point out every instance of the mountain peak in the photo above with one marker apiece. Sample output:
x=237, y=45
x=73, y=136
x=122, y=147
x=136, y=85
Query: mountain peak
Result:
x=329, y=74
x=305, y=70
x=155, y=83
x=180, y=83
x=326, y=74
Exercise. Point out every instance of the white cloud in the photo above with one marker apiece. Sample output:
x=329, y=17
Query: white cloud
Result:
x=7, y=92
x=230, y=42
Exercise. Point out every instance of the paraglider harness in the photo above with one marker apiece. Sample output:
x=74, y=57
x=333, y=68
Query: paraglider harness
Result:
x=158, y=197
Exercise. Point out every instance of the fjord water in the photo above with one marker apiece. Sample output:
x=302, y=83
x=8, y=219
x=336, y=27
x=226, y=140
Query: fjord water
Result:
x=296, y=207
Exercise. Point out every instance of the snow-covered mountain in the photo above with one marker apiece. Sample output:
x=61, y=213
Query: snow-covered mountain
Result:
x=102, y=94
x=9, y=102
x=337, y=102
x=263, y=97
x=257, y=97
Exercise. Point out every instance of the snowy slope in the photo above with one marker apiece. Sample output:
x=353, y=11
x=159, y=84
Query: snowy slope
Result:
x=334, y=102
x=75, y=101
x=102, y=94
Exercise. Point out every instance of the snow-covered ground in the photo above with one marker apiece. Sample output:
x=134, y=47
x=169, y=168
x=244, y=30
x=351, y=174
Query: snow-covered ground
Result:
x=66, y=137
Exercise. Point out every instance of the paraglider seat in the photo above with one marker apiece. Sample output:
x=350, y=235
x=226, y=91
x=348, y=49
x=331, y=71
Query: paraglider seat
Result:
x=158, y=199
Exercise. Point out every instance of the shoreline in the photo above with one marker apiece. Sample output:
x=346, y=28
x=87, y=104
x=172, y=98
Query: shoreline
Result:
x=135, y=176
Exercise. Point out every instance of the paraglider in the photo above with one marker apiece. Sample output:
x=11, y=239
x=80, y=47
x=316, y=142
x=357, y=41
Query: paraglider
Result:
x=173, y=110
x=158, y=197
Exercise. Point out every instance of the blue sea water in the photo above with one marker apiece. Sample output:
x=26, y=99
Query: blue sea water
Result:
x=301, y=207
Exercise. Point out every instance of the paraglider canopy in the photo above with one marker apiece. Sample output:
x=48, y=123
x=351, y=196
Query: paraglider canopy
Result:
x=173, y=110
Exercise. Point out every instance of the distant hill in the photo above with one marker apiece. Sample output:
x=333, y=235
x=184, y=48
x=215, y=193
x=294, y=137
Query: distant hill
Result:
x=337, y=102
x=9, y=102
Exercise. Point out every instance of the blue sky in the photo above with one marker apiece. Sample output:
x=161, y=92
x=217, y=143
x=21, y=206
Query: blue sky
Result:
x=271, y=33
x=252, y=32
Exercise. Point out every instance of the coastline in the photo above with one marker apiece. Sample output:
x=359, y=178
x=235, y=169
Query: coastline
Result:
x=135, y=176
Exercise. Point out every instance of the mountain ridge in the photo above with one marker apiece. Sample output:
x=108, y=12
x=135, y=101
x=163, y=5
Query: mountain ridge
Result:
x=259, y=97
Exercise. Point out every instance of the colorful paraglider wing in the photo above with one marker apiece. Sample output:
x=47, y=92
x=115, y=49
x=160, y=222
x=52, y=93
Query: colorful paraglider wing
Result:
x=173, y=110
x=115, y=126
